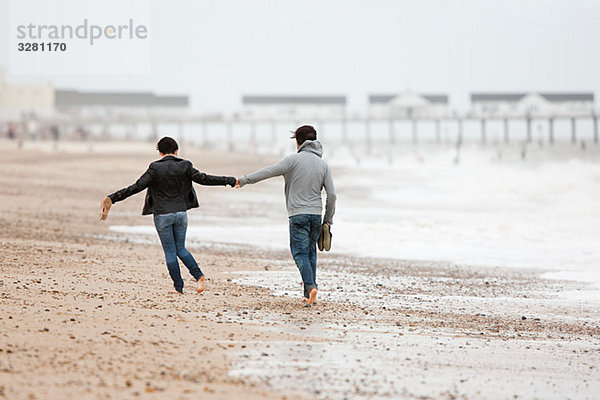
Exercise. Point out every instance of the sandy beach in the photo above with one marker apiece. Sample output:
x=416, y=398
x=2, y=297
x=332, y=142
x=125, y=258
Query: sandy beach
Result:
x=86, y=314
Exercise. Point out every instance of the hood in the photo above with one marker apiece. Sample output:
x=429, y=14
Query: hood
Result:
x=312, y=146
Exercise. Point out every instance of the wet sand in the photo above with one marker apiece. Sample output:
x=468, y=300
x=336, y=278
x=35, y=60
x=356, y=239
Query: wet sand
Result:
x=86, y=314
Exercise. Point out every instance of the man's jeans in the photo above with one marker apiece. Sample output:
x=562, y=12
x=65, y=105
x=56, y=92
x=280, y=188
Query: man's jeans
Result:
x=171, y=230
x=304, y=233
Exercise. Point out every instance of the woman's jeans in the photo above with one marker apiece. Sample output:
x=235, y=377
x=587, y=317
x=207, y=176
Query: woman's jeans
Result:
x=171, y=230
x=304, y=233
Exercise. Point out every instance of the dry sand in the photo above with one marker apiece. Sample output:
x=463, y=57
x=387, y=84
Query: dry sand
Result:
x=86, y=314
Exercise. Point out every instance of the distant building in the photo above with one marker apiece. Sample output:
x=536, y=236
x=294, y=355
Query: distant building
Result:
x=16, y=99
x=293, y=107
x=119, y=103
x=534, y=104
x=408, y=105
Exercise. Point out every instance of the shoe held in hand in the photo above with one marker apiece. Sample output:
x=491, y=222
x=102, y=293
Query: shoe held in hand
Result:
x=324, y=241
x=105, y=208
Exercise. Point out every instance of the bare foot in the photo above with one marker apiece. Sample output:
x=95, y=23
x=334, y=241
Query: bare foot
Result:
x=174, y=292
x=313, y=296
x=200, y=285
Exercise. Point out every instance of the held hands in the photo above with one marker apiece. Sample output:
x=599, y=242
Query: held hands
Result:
x=233, y=182
x=104, y=208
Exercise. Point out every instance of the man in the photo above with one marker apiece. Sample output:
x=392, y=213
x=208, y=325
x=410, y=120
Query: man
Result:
x=170, y=194
x=305, y=174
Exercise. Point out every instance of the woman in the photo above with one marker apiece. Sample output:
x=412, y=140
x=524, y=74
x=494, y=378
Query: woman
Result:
x=170, y=194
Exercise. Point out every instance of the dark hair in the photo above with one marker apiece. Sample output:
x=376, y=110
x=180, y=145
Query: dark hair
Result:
x=167, y=145
x=304, y=133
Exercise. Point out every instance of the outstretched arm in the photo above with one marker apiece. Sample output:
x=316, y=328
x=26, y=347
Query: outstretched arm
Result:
x=274, y=170
x=331, y=198
x=142, y=183
x=212, y=180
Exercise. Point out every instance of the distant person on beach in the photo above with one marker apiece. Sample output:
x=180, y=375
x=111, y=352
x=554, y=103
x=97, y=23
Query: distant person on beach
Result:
x=305, y=174
x=11, y=132
x=54, y=132
x=170, y=194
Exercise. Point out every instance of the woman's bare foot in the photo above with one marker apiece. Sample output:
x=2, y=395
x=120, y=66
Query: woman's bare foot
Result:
x=200, y=285
x=174, y=292
x=313, y=296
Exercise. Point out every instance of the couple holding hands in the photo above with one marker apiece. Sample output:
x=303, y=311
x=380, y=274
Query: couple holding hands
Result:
x=170, y=194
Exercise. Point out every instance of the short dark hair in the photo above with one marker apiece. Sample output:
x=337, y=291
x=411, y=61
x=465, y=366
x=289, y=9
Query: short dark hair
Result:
x=167, y=145
x=304, y=133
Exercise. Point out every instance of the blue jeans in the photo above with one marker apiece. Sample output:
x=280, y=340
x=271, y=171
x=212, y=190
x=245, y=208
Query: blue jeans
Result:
x=304, y=233
x=171, y=230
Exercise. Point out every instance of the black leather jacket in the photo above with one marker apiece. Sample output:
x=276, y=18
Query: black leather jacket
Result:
x=169, y=183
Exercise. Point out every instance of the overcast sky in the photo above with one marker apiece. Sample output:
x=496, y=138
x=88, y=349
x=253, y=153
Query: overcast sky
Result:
x=215, y=51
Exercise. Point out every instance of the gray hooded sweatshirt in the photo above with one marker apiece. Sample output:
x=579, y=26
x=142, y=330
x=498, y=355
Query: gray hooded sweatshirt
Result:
x=305, y=174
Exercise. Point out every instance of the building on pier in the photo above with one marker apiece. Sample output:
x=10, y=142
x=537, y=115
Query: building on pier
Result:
x=565, y=104
x=302, y=108
x=408, y=105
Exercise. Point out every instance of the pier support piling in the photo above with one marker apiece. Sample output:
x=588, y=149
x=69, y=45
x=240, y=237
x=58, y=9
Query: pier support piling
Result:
x=205, y=134
x=180, y=132
x=483, y=133
x=273, y=131
x=230, y=135
x=596, y=129
x=368, y=134
x=391, y=131
x=253, y=133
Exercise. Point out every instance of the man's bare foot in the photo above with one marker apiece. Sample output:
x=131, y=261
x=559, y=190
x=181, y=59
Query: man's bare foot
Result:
x=174, y=292
x=313, y=296
x=200, y=285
